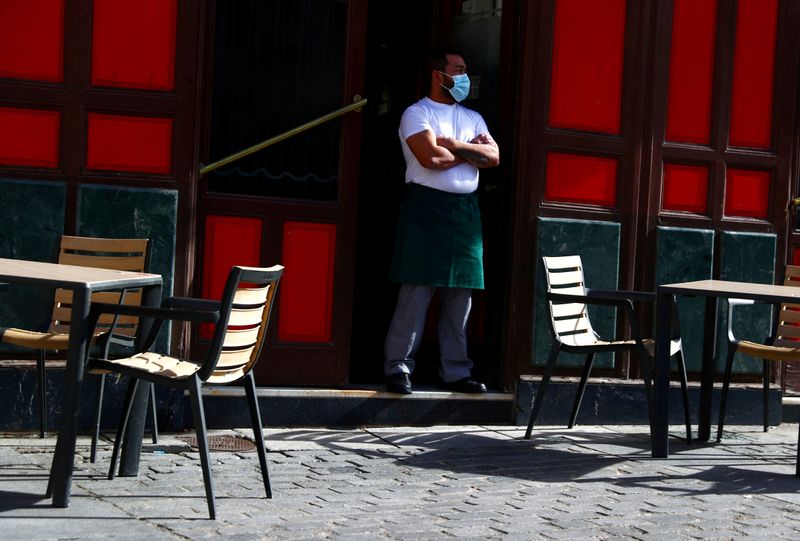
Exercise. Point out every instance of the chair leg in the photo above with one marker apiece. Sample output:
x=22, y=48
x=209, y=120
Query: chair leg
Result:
x=123, y=425
x=548, y=372
x=797, y=463
x=685, y=393
x=202, y=443
x=42, y=387
x=587, y=367
x=97, y=415
x=258, y=435
x=765, y=371
x=647, y=373
x=153, y=411
x=723, y=398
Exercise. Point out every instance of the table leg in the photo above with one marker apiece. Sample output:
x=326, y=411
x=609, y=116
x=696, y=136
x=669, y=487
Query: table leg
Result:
x=659, y=431
x=60, y=484
x=132, y=442
x=707, y=371
x=134, y=433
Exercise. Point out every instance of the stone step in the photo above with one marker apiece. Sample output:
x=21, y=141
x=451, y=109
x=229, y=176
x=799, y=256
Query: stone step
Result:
x=605, y=402
x=226, y=407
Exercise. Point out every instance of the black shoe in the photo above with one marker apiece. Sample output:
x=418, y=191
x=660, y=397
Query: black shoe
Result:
x=398, y=383
x=464, y=385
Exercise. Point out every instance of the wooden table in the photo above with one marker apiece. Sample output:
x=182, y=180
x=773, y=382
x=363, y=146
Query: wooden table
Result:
x=713, y=290
x=82, y=281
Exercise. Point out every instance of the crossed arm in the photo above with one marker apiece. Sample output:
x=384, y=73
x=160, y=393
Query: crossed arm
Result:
x=445, y=152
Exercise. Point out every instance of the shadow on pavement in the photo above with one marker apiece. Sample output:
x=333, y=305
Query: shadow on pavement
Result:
x=575, y=456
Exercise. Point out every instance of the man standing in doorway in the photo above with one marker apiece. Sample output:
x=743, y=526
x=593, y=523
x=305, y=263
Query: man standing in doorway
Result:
x=439, y=241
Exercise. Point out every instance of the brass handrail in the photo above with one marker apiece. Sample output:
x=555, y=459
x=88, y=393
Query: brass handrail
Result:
x=285, y=135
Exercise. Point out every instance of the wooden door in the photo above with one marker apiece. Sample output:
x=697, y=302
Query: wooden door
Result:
x=277, y=65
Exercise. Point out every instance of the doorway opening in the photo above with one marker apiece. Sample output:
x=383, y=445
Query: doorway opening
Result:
x=397, y=41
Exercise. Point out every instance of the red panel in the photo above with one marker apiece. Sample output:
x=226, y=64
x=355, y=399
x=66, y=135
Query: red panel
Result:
x=581, y=179
x=29, y=137
x=309, y=251
x=133, y=44
x=796, y=256
x=32, y=39
x=753, y=73
x=747, y=193
x=229, y=241
x=129, y=143
x=691, y=70
x=685, y=188
x=586, y=78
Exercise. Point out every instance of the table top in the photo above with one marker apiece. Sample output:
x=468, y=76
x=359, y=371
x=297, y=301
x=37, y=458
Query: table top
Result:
x=742, y=290
x=71, y=276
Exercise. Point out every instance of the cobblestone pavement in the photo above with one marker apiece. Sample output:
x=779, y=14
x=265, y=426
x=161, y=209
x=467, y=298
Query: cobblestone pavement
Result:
x=466, y=482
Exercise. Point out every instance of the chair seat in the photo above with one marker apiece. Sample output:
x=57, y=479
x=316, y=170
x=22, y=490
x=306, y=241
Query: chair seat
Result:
x=51, y=340
x=584, y=340
x=773, y=353
x=580, y=340
x=156, y=364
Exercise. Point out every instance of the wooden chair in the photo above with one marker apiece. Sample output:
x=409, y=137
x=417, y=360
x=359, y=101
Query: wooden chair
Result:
x=783, y=345
x=241, y=319
x=107, y=253
x=572, y=331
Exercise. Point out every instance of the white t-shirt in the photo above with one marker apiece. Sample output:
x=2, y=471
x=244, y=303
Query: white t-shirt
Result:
x=445, y=120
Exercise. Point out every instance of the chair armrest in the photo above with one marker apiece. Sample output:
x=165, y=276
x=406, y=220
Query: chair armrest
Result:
x=159, y=314
x=621, y=294
x=170, y=314
x=591, y=299
x=606, y=298
x=189, y=303
x=735, y=303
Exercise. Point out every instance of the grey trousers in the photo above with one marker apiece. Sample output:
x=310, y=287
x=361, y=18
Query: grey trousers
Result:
x=408, y=323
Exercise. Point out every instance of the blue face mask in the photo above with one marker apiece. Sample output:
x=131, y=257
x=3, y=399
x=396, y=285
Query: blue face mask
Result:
x=460, y=88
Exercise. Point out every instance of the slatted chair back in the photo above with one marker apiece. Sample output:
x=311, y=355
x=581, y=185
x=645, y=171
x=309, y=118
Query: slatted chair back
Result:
x=247, y=304
x=787, y=332
x=569, y=321
x=105, y=253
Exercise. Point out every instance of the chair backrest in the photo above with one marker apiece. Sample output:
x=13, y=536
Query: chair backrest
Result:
x=244, y=317
x=787, y=332
x=564, y=275
x=105, y=253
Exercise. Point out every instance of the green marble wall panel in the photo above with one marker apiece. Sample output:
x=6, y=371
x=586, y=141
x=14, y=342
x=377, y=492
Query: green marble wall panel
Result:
x=682, y=255
x=112, y=211
x=32, y=224
x=746, y=257
x=598, y=245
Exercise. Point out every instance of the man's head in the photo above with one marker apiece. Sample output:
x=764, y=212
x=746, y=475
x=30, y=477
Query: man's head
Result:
x=441, y=66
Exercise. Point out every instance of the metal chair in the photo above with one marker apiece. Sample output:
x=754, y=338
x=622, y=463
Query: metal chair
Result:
x=241, y=319
x=783, y=345
x=572, y=331
x=107, y=253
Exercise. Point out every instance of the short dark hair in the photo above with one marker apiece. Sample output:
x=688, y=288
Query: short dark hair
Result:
x=437, y=60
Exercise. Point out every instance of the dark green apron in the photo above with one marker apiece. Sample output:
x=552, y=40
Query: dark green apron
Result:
x=439, y=240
